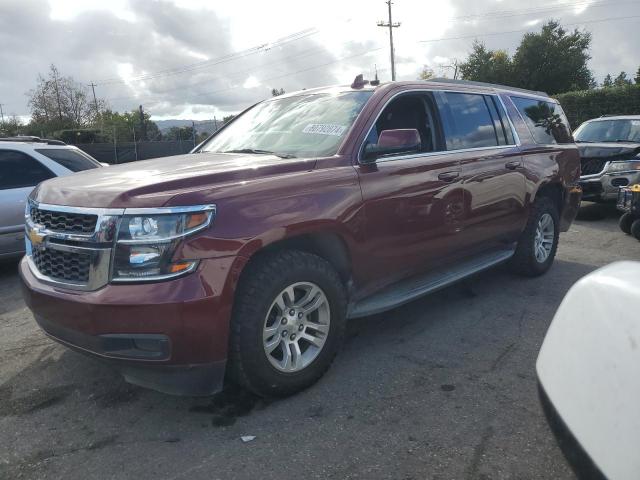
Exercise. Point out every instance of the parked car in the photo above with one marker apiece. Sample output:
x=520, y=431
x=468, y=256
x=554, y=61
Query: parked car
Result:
x=25, y=162
x=589, y=374
x=610, y=155
x=247, y=257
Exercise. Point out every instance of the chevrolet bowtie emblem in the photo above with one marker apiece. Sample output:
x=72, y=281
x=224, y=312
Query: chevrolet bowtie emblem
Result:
x=37, y=239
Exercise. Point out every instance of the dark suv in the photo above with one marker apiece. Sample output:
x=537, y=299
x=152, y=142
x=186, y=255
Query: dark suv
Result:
x=246, y=258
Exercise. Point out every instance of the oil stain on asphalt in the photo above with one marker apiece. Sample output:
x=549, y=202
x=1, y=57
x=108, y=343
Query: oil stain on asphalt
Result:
x=228, y=405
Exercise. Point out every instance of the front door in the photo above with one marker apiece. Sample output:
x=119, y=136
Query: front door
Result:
x=413, y=202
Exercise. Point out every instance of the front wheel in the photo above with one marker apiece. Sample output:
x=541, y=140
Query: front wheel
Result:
x=288, y=323
x=538, y=243
x=625, y=222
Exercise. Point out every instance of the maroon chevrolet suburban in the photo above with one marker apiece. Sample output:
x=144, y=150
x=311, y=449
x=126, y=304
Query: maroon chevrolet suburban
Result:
x=245, y=258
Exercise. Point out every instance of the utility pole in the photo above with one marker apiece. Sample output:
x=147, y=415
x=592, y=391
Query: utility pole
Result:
x=454, y=65
x=95, y=102
x=215, y=124
x=55, y=82
x=143, y=125
x=2, y=114
x=391, y=26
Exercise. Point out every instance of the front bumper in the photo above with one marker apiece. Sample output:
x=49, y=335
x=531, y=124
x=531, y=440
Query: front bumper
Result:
x=171, y=336
x=605, y=187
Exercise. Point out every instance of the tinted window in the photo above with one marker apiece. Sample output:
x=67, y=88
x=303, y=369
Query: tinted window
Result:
x=68, y=158
x=500, y=122
x=19, y=170
x=469, y=124
x=546, y=120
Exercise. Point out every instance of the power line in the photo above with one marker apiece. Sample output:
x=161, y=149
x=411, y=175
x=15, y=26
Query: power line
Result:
x=542, y=9
x=380, y=48
x=210, y=63
x=462, y=37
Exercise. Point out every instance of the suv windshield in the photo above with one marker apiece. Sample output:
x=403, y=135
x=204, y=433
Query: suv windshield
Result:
x=609, y=131
x=300, y=126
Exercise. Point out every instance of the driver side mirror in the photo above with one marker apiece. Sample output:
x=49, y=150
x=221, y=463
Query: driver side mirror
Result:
x=401, y=140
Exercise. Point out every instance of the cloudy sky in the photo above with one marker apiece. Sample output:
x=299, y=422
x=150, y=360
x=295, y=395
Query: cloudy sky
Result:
x=196, y=59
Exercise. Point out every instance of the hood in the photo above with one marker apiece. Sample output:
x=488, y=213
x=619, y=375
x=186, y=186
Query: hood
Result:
x=152, y=183
x=609, y=150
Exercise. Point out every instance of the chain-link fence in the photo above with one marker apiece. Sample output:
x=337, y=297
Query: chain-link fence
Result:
x=132, y=151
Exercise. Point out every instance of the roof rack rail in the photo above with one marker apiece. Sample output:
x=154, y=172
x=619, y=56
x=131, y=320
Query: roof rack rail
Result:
x=485, y=84
x=32, y=139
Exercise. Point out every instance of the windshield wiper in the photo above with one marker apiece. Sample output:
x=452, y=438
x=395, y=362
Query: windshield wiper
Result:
x=260, y=152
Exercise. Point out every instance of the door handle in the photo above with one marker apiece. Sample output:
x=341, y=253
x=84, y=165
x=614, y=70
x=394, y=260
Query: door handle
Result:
x=513, y=165
x=448, y=176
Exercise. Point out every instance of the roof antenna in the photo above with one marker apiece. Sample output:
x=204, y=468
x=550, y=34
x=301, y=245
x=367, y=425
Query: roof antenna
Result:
x=359, y=81
x=375, y=82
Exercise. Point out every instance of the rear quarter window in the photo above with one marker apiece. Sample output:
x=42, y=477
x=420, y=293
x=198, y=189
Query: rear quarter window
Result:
x=69, y=158
x=546, y=120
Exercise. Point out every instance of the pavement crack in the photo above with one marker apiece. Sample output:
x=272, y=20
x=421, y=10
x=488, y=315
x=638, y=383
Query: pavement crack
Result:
x=478, y=452
x=500, y=358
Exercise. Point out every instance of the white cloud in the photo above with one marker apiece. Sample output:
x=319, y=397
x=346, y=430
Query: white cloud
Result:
x=183, y=46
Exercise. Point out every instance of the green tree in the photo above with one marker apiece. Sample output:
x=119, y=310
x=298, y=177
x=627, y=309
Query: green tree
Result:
x=11, y=127
x=553, y=60
x=426, y=73
x=637, y=77
x=608, y=81
x=227, y=118
x=275, y=92
x=122, y=126
x=484, y=65
x=621, y=80
x=179, y=133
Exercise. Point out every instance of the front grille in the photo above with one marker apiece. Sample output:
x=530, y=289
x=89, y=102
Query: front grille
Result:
x=59, y=265
x=64, y=221
x=592, y=166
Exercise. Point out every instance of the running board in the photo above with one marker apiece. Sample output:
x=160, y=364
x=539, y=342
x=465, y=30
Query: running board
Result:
x=408, y=290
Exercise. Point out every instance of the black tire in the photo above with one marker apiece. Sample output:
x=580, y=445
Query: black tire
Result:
x=259, y=286
x=625, y=222
x=635, y=229
x=524, y=260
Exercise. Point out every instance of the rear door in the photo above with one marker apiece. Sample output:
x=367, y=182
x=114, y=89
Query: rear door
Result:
x=412, y=201
x=19, y=174
x=492, y=174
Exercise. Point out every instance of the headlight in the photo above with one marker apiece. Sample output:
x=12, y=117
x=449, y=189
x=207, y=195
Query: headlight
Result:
x=626, y=166
x=148, y=238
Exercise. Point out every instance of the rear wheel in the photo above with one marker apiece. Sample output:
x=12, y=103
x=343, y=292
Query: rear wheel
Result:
x=538, y=243
x=625, y=222
x=288, y=323
x=635, y=229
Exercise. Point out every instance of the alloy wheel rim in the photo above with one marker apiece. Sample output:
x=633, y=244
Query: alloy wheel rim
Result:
x=296, y=327
x=544, y=238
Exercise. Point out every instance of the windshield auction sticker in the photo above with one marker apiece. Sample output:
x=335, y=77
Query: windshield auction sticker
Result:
x=324, y=129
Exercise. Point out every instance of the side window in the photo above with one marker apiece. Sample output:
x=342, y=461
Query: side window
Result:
x=411, y=110
x=469, y=123
x=19, y=170
x=500, y=122
x=546, y=120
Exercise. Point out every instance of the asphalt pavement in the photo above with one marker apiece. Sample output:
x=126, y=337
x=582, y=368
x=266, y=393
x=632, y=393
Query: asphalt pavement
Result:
x=442, y=388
